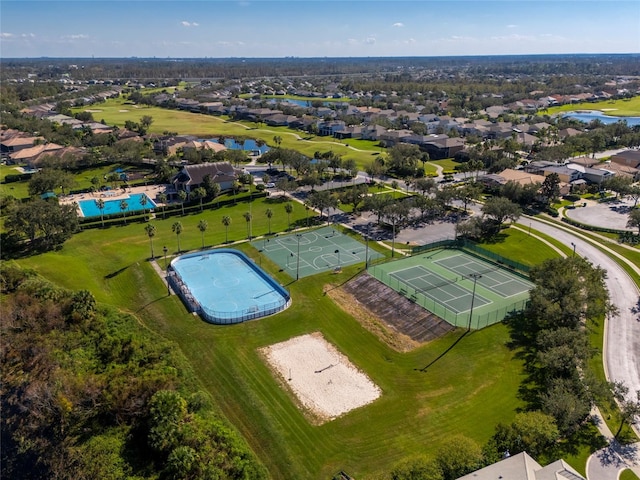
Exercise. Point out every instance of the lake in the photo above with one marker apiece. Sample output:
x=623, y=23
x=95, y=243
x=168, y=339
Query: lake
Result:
x=588, y=116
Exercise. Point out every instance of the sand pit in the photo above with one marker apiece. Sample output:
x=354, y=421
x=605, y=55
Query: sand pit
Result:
x=323, y=380
x=123, y=111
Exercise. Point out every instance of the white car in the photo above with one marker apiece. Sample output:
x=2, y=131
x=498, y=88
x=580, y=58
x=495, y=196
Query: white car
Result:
x=270, y=185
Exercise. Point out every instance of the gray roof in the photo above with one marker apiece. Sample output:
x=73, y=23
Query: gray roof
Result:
x=523, y=467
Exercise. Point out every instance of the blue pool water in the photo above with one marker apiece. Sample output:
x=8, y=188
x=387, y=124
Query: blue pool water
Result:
x=249, y=145
x=587, y=117
x=225, y=286
x=90, y=208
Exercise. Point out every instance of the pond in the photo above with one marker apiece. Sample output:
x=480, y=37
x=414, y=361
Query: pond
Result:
x=589, y=116
x=249, y=145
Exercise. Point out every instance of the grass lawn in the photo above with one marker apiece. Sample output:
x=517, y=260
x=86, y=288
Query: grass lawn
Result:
x=628, y=475
x=629, y=107
x=448, y=164
x=118, y=110
x=515, y=244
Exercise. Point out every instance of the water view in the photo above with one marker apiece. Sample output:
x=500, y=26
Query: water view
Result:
x=589, y=116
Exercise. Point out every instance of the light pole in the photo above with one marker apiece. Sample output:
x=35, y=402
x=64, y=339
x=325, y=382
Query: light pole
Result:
x=166, y=270
x=338, y=252
x=475, y=277
x=366, y=250
x=574, y=249
x=298, y=257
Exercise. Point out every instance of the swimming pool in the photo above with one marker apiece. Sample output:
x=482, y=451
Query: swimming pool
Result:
x=90, y=208
x=225, y=286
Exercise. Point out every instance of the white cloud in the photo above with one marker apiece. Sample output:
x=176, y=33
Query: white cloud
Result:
x=75, y=36
x=370, y=40
x=398, y=25
x=184, y=23
x=512, y=26
x=28, y=35
x=6, y=35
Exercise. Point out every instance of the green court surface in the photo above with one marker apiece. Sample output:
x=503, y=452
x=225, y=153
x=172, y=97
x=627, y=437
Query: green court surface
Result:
x=458, y=287
x=315, y=251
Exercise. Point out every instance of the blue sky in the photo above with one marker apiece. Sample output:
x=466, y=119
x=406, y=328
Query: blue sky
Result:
x=307, y=28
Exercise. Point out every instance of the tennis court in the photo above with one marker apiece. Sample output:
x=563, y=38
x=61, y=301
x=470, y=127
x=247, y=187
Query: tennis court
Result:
x=315, y=251
x=457, y=286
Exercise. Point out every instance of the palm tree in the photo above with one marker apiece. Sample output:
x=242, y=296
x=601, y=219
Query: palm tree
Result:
x=123, y=207
x=177, y=229
x=202, y=226
x=269, y=214
x=162, y=198
x=289, y=209
x=247, y=216
x=144, y=200
x=100, y=205
x=277, y=140
x=182, y=196
x=151, y=232
x=200, y=193
x=226, y=221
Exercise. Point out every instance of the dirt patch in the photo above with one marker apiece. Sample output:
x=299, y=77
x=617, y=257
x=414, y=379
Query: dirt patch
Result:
x=396, y=340
x=399, y=314
x=323, y=380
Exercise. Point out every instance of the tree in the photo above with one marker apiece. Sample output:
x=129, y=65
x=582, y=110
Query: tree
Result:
x=212, y=188
x=226, y=221
x=162, y=198
x=247, y=217
x=420, y=468
x=199, y=193
x=144, y=200
x=202, y=226
x=500, y=209
x=288, y=207
x=457, y=456
x=425, y=185
x=48, y=180
x=123, y=208
x=629, y=408
x=354, y=195
x=349, y=164
x=269, y=213
x=151, y=232
x=182, y=197
x=551, y=188
x=396, y=213
x=634, y=219
x=100, y=205
x=167, y=411
x=530, y=432
x=322, y=200
x=403, y=159
x=145, y=123
x=377, y=204
x=177, y=229
x=277, y=139
x=618, y=184
x=468, y=193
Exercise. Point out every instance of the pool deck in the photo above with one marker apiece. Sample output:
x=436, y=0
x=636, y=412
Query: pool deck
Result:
x=152, y=191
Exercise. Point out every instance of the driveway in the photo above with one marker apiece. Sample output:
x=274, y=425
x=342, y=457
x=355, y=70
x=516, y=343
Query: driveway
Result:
x=612, y=214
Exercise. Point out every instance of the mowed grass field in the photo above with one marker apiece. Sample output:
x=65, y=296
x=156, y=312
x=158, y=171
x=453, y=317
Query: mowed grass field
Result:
x=468, y=390
x=628, y=107
x=117, y=111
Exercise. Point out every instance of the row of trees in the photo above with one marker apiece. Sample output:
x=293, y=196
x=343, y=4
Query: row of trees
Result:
x=88, y=393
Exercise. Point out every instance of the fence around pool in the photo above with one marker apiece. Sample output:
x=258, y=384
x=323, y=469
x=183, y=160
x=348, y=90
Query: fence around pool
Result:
x=473, y=319
x=222, y=316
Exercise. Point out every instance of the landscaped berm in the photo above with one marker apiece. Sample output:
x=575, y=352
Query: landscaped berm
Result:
x=324, y=382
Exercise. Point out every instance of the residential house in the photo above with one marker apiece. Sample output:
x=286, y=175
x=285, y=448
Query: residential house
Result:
x=16, y=143
x=203, y=145
x=372, y=132
x=628, y=158
x=27, y=155
x=279, y=120
x=500, y=130
x=592, y=175
x=525, y=139
x=565, y=174
x=523, y=467
x=329, y=128
x=444, y=147
x=353, y=131
x=192, y=176
x=622, y=170
x=393, y=137
x=568, y=132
